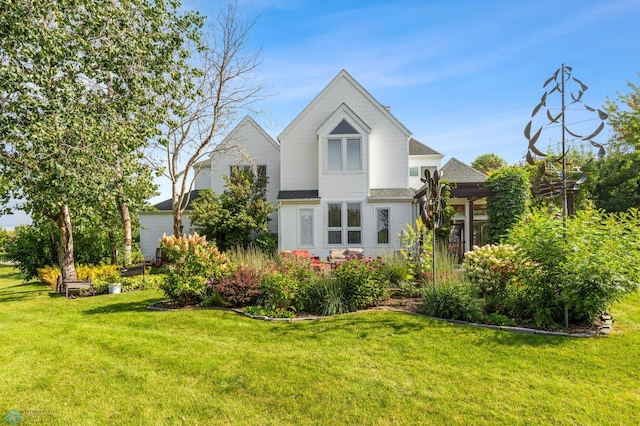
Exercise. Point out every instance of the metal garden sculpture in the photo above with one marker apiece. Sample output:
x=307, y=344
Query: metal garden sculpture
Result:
x=557, y=178
x=431, y=196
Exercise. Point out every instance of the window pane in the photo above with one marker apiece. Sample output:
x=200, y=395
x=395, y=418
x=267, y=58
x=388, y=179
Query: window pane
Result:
x=354, y=237
x=382, y=226
x=262, y=176
x=335, y=215
x=353, y=154
x=306, y=227
x=335, y=237
x=353, y=215
x=413, y=171
x=334, y=154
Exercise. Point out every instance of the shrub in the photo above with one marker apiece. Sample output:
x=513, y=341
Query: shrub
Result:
x=240, y=288
x=453, y=300
x=192, y=261
x=363, y=282
x=396, y=271
x=587, y=267
x=327, y=297
x=281, y=292
x=510, y=200
x=268, y=312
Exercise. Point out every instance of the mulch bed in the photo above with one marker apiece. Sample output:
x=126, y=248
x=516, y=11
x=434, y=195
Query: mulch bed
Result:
x=404, y=304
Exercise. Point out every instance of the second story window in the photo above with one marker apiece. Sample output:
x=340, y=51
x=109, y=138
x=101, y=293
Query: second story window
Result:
x=344, y=149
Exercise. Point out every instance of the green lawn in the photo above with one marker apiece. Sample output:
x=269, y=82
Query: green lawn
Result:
x=110, y=360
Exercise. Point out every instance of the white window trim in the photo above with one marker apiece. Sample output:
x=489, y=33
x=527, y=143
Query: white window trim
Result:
x=375, y=226
x=343, y=153
x=344, y=228
x=300, y=243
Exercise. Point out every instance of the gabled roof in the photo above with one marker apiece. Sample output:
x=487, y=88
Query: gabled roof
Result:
x=344, y=75
x=418, y=148
x=455, y=171
x=338, y=114
x=166, y=204
x=246, y=121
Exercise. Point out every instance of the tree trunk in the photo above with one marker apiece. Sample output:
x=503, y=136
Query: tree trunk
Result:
x=65, y=245
x=125, y=215
x=177, y=223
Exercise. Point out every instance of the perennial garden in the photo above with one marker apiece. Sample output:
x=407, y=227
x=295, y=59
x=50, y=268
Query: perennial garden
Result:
x=542, y=275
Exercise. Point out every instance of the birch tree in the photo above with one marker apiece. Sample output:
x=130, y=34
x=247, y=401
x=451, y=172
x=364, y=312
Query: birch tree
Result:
x=219, y=87
x=57, y=60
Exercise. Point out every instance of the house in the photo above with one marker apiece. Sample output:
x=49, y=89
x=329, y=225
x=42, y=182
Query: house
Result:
x=343, y=174
x=247, y=147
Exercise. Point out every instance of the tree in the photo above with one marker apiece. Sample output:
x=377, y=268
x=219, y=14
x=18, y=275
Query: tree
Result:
x=72, y=72
x=488, y=163
x=212, y=95
x=510, y=200
x=618, y=187
x=231, y=218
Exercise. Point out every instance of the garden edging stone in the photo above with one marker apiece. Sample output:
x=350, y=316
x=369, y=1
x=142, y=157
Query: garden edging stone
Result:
x=603, y=331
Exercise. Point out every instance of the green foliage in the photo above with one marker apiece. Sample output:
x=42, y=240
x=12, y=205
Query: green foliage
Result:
x=263, y=311
x=416, y=248
x=327, y=296
x=232, y=217
x=488, y=163
x=453, y=299
x=618, y=183
x=500, y=273
x=395, y=270
x=282, y=292
x=83, y=84
x=592, y=264
x=510, y=200
x=192, y=261
x=363, y=282
x=34, y=246
x=31, y=247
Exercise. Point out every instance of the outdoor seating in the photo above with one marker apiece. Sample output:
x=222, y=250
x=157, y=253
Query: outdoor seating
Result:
x=338, y=256
x=75, y=285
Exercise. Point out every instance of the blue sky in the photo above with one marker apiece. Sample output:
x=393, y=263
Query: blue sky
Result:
x=462, y=75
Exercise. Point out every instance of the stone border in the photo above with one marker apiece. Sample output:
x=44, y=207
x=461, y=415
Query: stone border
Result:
x=605, y=329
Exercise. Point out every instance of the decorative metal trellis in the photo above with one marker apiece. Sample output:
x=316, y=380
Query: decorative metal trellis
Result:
x=557, y=178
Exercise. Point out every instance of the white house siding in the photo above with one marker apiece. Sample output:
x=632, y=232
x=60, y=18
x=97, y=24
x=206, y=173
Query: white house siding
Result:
x=153, y=225
x=248, y=144
x=421, y=161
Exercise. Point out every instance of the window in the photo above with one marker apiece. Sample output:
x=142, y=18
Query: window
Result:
x=414, y=172
x=261, y=175
x=382, y=225
x=244, y=168
x=306, y=227
x=344, y=153
x=344, y=223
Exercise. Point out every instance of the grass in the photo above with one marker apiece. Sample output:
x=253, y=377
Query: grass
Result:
x=109, y=360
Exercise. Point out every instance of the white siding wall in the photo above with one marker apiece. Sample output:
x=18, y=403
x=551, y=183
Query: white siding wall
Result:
x=421, y=161
x=251, y=146
x=153, y=226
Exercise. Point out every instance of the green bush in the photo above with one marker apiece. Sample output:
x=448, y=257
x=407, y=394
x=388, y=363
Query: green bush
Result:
x=280, y=291
x=587, y=267
x=499, y=272
x=396, y=271
x=327, y=297
x=363, y=283
x=192, y=261
x=453, y=300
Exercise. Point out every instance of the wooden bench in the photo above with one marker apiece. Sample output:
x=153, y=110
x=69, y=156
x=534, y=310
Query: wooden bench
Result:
x=75, y=285
x=133, y=271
